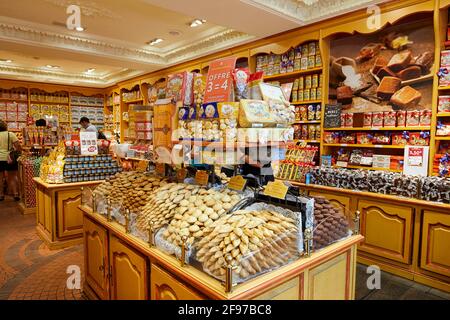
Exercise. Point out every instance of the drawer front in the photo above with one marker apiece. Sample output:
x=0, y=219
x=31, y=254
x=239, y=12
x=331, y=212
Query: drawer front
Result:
x=387, y=230
x=96, y=258
x=166, y=287
x=435, y=248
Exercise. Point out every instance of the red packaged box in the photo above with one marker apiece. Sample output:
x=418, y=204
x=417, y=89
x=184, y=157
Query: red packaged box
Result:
x=398, y=139
x=330, y=137
x=377, y=119
x=396, y=163
x=412, y=118
x=381, y=138
x=418, y=139
x=401, y=118
x=425, y=118
x=389, y=119
x=444, y=104
x=363, y=138
x=367, y=119
x=343, y=116
x=349, y=120
x=348, y=138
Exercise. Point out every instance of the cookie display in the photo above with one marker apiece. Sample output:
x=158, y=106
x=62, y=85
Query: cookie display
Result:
x=256, y=241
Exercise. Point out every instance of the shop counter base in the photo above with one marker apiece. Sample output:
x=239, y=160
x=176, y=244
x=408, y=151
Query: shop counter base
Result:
x=59, y=221
x=120, y=266
x=403, y=236
x=24, y=210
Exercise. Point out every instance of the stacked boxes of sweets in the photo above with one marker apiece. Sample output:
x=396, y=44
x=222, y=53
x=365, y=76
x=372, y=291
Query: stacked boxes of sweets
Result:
x=14, y=112
x=79, y=168
x=443, y=124
x=307, y=88
x=444, y=77
x=305, y=113
x=303, y=57
x=297, y=162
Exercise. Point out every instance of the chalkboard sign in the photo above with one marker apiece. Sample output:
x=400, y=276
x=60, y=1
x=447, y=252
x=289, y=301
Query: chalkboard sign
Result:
x=332, y=116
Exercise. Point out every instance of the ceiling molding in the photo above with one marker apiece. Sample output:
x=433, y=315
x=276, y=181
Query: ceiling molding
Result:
x=302, y=13
x=64, y=77
x=225, y=39
x=13, y=32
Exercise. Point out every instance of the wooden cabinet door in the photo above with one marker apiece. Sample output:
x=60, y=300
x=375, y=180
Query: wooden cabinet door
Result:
x=96, y=258
x=128, y=268
x=338, y=201
x=166, y=287
x=69, y=217
x=387, y=230
x=435, y=249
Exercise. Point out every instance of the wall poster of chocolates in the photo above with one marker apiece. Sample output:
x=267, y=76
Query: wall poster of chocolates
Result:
x=390, y=70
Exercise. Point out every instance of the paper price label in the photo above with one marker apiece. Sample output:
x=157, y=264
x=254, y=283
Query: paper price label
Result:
x=237, y=183
x=276, y=189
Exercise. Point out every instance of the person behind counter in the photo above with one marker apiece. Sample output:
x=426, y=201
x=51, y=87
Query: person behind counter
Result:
x=87, y=126
x=258, y=165
x=41, y=123
x=8, y=161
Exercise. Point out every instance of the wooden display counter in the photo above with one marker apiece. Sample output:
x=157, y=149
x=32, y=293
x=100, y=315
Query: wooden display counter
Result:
x=120, y=266
x=404, y=236
x=59, y=220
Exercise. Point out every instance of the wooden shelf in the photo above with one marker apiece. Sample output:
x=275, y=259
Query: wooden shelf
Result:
x=377, y=128
x=231, y=145
x=307, y=141
x=306, y=122
x=443, y=114
x=292, y=74
x=375, y=146
x=13, y=100
x=85, y=105
x=133, y=101
x=369, y=168
x=50, y=102
x=444, y=88
x=442, y=138
x=306, y=102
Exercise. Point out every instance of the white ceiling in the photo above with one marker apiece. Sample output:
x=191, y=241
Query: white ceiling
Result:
x=33, y=34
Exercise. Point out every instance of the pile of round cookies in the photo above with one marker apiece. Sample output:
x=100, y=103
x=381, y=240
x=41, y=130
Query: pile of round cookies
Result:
x=330, y=223
x=131, y=190
x=252, y=241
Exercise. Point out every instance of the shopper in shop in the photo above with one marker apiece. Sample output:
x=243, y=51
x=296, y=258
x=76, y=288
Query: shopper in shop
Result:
x=258, y=165
x=9, y=152
x=87, y=126
x=41, y=123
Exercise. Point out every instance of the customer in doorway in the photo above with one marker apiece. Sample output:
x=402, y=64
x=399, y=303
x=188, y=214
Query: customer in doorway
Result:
x=8, y=161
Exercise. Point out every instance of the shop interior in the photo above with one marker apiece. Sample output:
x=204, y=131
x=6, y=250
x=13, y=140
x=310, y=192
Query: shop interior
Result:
x=173, y=150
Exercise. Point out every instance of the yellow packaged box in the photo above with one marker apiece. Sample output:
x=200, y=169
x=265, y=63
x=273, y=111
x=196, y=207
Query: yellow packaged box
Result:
x=255, y=113
x=228, y=110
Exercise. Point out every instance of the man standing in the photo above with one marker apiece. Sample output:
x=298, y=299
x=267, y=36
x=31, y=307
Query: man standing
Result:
x=87, y=126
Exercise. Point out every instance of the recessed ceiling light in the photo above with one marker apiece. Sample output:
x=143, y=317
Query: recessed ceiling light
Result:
x=90, y=70
x=197, y=22
x=6, y=60
x=155, y=41
x=79, y=29
x=52, y=66
x=175, y=33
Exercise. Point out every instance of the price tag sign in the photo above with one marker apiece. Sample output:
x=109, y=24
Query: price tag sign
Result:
x=181, y=175
x=276, y=189
x=160, y=169
x=201, y=178
x=88, y=143
x=237, y=183
x=219, y=80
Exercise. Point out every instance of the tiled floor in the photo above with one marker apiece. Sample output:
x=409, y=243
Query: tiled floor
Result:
x=28, y=270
